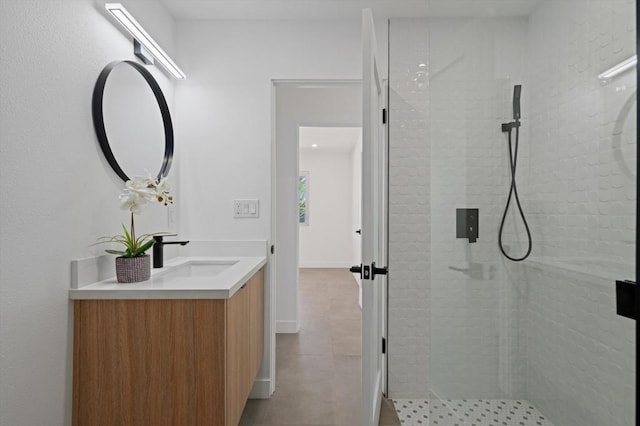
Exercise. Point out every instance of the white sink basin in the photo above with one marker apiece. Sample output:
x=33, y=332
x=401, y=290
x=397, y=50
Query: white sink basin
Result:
x=200, y=269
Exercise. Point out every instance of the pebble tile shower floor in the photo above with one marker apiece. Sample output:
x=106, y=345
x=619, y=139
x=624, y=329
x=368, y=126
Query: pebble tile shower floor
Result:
x=468, y=412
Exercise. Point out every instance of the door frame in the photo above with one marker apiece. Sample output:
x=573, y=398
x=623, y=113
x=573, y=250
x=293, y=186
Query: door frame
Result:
x=385, y=289
x=279, y=236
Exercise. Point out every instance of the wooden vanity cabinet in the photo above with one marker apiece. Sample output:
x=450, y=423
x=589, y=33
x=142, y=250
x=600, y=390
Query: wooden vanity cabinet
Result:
x=167, y=362
x=245, y=344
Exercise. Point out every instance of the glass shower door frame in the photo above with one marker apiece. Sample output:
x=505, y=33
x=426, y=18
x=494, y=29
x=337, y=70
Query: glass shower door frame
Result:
x=637, y=299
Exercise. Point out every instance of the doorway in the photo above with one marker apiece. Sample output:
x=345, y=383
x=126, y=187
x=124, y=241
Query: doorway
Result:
x=317, y=311
x=330, y=165
x=300, y=104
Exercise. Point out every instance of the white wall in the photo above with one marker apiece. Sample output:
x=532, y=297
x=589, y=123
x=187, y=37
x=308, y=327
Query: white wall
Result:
x=224, y=109
x=327, y=242
x=356, y=208
x=58, y=192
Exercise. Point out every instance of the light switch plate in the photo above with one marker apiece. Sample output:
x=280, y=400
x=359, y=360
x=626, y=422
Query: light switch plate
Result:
x=247, y=208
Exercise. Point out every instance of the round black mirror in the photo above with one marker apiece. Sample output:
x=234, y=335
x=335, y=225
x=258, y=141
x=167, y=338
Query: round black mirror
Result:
x=135, y=117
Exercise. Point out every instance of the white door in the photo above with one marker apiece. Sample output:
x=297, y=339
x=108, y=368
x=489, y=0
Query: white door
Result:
x=373, y=226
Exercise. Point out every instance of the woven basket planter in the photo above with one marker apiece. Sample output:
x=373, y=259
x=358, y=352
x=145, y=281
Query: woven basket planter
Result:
x=133, y=269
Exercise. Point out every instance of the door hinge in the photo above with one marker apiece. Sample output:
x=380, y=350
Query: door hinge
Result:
x=384, y=116
x=384, y=345
x=273, y=249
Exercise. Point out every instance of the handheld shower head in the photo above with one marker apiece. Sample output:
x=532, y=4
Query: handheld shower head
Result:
x=516, y=101
x=507, y=127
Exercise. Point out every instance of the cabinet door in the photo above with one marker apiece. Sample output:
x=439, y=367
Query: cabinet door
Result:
x=238, y=347
x=256, y=321
x=148, y=362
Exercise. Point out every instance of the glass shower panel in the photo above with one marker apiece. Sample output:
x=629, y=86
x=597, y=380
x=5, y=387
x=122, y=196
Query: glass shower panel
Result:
x=475, y=344
x=580, y=357
x=536, y=341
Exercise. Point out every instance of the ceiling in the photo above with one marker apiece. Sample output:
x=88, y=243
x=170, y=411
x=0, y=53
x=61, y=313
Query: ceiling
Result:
x=344, y=9
x=330, y=139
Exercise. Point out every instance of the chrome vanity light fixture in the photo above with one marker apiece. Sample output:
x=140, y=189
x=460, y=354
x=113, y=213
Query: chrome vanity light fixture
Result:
x=618, y=69
x=144, y=45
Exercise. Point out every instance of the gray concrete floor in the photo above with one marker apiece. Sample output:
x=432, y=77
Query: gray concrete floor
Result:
x=318, y=369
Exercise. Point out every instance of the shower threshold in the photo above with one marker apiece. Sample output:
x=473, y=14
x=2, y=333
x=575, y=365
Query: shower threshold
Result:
x=468, y=412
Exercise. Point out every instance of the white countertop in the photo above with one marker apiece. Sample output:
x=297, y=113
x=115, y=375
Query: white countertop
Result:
x=165, y=285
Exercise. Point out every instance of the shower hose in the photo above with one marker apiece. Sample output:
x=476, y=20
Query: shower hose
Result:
x=513, y=192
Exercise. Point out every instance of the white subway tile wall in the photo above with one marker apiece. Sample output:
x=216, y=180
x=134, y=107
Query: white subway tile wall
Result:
x=476, y=348
x=463, y=322
x=582, y=178
x=409, y=210
x=581, y=192
x=580, y=363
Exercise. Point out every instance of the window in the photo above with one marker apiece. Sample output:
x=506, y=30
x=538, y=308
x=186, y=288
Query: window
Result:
x=303, y=198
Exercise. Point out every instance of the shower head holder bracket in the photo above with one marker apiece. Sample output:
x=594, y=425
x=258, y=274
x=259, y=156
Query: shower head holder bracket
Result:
x=506, y=127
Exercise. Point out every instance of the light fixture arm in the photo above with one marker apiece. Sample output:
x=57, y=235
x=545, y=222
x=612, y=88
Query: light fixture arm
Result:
x=142, y=53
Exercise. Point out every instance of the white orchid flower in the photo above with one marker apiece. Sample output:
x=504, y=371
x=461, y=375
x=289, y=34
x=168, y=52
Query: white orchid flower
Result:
x=141, y=187
x=150, y=179
x=163, y=192
x=161, y=189
x=139, y=191
x=163, y=185
x=136, y=194
x=133, y=201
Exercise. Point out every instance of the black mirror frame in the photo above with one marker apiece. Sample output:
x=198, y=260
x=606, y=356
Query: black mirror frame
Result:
x=98, y=119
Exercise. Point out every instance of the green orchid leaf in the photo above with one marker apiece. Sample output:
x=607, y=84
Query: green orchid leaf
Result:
x=132, y=247
x=142, y=240
x=127, y=236
x=118, y=252
x=140, y=251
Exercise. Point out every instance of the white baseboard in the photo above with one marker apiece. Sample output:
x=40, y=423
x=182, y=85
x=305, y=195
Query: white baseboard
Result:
x=261, y=389
x=287, y=327
x=321, y=264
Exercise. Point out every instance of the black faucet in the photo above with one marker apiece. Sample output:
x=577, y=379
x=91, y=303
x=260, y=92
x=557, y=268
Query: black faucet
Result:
x=158, y=249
